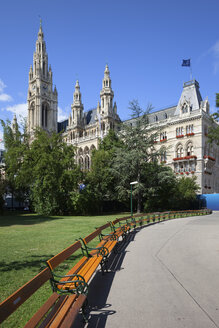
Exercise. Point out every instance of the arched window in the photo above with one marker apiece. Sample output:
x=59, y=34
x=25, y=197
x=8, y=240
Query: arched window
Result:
x=32, y=108
x=44, y=68
x=81, y=163
x=80, y=152
x=189, y=149
x=86, y=151
x=165, y=116
x=155, y=118
x=87, y=162
x=163, y=156
x=44, y=115
x=179, y=151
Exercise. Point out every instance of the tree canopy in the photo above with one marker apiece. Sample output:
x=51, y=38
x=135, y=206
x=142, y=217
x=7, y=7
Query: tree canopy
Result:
x=131, y=161
x=44, y=171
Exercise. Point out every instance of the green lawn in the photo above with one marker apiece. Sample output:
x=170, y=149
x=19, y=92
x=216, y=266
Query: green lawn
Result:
x=26, y=241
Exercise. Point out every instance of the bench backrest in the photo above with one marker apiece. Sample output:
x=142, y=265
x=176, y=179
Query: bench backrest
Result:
x=64, y=255
x=8, y=306
x=92, y=235
x=103, y=227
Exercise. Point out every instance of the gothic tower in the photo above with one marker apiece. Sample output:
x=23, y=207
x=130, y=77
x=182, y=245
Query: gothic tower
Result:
x=77, y=107
x=106, y=94
x=42, y=99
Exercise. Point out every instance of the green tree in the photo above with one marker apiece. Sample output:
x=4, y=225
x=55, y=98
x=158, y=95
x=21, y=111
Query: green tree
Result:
x=2, y=191
x=50, y=170
x=185, y=193
x=130, y=162
x=217, y=99
x=213, y=132
x=16, y=145
x=161, y=185
x=100, y=181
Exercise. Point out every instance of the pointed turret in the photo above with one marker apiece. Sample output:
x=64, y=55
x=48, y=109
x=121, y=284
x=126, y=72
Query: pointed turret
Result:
x=106, y=94
x=77, y=106
x=14, y=125
x=40, y=33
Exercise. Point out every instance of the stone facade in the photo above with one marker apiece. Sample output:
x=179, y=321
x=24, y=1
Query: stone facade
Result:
x=182, y=129
x=84, y=129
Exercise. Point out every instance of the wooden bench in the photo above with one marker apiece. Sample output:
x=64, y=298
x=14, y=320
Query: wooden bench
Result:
x=57, y=311
x=120, y=231
x=69, y=291
x=77, y=279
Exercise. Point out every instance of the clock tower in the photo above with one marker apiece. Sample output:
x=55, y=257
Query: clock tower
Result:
x=42, y=98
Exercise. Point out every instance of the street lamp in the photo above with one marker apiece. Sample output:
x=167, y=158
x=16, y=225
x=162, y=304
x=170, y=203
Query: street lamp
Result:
x=132, y=183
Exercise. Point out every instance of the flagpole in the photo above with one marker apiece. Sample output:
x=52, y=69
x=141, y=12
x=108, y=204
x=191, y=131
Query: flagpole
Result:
x=190, y=69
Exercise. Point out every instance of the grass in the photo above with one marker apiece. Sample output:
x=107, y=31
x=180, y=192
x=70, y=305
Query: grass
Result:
x=26, y=241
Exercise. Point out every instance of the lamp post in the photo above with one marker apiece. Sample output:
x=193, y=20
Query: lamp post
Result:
x=131, y=184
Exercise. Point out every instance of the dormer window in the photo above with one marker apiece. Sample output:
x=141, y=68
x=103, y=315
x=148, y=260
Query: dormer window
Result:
x=184, y=108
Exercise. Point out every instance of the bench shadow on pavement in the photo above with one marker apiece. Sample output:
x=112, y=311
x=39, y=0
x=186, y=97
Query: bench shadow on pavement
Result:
x=98, y=310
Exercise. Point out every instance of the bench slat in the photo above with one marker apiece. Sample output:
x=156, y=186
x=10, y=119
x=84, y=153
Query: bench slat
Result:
x=62, y=312
x=42, y=311
x=71, y=315
x=92, y=235
x=8, y=306
x=62, y=256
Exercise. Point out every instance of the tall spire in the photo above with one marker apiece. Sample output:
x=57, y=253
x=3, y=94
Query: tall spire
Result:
x=40, y=33
x=106, y=94
x=77, y=94
x=42, y=99
x=77, y=106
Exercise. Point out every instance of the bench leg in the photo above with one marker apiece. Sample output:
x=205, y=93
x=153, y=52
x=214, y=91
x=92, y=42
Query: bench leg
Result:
x=83, y=311
x=103, y=265
x=115, y=249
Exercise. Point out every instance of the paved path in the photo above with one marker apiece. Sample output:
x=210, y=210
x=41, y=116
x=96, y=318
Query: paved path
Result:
x=167, y=276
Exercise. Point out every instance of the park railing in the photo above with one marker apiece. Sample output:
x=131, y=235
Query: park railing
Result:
x=69, y=291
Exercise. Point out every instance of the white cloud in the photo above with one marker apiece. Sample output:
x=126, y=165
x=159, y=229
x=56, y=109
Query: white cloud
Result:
x=62, y=115
x=2, y=86
x=19, y=109
x=212, y=52
x=215, y=49
x=4, y=96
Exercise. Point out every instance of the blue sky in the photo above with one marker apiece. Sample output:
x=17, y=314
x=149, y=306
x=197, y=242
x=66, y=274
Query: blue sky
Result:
x=142, y=41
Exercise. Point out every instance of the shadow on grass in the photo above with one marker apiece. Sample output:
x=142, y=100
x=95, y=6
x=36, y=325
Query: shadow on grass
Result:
x=37, y=261
x=99, y=289
x=24, y=219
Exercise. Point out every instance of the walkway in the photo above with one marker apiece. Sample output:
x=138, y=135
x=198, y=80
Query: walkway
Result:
x=167, y=276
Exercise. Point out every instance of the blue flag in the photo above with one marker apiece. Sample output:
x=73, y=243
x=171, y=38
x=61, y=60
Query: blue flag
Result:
x=186, y=62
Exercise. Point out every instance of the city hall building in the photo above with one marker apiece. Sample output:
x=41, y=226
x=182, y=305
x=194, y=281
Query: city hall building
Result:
x=183, y=129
